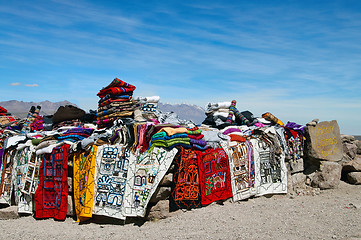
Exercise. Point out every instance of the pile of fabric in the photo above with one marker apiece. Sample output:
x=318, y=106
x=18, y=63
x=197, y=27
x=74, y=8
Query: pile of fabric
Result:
x=117, y=166
x=115, y=102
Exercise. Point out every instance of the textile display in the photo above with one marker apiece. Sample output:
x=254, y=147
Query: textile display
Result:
x=242, y=169
x=143, y=178
x=23, y=200
x=83, y=182
x=51, y=196
x=214, y=175
x=6, y=185
x=185, y=186
x=113, y=163
x=270, y=171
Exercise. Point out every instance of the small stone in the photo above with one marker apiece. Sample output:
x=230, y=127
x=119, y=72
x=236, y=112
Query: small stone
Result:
x=352, y=166
x=70, y=184
x=312, y=124
x=347, y=138
x=316, y=120
x=328, y=176
x=162, y=193
x=70, y=210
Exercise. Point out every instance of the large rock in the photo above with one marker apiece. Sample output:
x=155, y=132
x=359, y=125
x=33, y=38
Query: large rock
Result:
x=323, y=142
x=358, y=145
x=350, y=149
x=167, y=180
x=298, y=179
x=354, y=177
x=352, y=166
x=347, y=138
x=9, y=213
x=161, y=193
x=328, y=176
x=160, y=210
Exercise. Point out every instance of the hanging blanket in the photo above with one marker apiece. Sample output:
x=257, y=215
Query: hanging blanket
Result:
x=143, y=179
x=185, y=186
x=83, y=176
x=51, y=196
x=214, y=175
x=6, y=186
x=242, y=169
x=271, y=172
x=112, y=163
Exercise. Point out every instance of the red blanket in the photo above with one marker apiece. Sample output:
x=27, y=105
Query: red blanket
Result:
x=214, y=175
x=51, y=196
x=116, y=87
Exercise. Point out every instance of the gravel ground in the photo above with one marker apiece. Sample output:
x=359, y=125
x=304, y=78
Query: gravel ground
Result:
x=334, y=214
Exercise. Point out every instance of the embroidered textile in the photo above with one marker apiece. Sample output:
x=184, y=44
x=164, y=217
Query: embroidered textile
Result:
x=271, y=172
x=143, y=178
x=214, y=175
x=242, y=169
x=112, y=163
x=6, y=174
x=51, y=196
x=185, y=186
x=84, y=175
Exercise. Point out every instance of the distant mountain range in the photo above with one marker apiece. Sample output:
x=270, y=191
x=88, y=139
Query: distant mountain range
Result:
x=21, y=109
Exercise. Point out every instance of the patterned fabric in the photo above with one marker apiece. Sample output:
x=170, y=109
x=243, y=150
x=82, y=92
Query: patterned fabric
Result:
x=32, y=174
x=214, y=175
x=112, y=163
x=242, y=169
x=51, y=196
x=23, y=200
x=143, y=178
x=185, y=186
x=6, y=174
x=83, y=177
x=270, y=171
x=116, y=87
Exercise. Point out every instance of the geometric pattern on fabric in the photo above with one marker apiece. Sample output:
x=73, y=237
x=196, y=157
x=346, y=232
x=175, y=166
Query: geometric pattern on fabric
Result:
x=6, y=186
x=270, y=172
x=185, y=186
x=242, y=169
x=23, y=200
x=31, y=179
x=51, y=196
x=112, y=169
x=143, y=178
x=83, y=177
x=214, y=175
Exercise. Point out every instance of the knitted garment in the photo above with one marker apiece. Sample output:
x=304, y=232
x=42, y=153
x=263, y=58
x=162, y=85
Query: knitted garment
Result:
x=84, y=177
x=170, y=131
x=185, y=189
x=268, y=116
x=231, y=112
x=197, y=137
x=116, y=87
x=214, y=175
x=109, y=101
x=115, y=104
x=169, y=144
x=127, y=96
x=237, y=138
x=51, y=196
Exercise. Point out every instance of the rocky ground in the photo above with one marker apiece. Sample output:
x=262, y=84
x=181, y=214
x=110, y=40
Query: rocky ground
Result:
x=332, y=214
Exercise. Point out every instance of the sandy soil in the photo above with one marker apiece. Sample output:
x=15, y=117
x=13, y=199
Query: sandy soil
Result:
x=334, y=214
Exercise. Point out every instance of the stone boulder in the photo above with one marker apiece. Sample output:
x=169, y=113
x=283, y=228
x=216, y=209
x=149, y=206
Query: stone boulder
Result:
x=328, y=176
x=349, y=149
x=162, y=193
x=323, y=142
x=354, y=177
x=358, y=145
x=9, y=213
x=347, y=138
x=353, y=165
x=159, y=211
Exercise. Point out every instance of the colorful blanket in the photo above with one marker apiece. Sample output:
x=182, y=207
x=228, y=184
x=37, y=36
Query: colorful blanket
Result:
x=116, y=87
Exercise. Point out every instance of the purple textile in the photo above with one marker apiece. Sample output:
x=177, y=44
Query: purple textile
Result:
x=231, y=130
x=297, y=127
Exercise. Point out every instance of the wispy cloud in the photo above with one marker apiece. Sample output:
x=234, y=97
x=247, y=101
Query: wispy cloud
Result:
x=32, y=85
x=15, y=84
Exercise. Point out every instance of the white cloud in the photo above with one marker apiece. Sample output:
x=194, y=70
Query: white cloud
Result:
x=15, y=84
x=32, y=85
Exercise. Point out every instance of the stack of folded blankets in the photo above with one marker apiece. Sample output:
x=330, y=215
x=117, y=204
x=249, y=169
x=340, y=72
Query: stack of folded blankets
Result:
x=170, y=137
x=217, y=114
x=6, y=118
x=115, y=103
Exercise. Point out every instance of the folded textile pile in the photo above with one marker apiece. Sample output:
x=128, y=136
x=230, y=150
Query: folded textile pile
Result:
x=217, y=114
x=6, y=118
x=4, y=112
x=169, y=137
x=147, y=108
x=68, y=116
x=115, y=102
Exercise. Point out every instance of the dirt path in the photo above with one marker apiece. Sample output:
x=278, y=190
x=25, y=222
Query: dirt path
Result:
x=334, y=214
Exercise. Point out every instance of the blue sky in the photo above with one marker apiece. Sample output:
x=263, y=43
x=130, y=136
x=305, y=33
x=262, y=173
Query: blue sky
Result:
x=297, y=59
